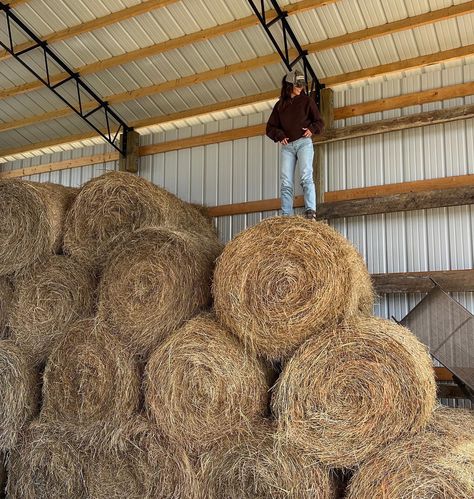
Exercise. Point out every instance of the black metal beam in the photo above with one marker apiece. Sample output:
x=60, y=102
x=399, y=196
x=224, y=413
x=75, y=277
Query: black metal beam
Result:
x=12, y=21
x=284, y=52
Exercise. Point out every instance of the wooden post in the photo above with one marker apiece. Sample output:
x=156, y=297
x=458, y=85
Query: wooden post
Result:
x=327, y=113
x=129, y=163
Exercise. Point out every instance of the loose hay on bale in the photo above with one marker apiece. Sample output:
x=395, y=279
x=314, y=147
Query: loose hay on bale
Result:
x=31, y=222
x=170, y=471
x=347, y=392
x=44, y=465
x=90, y=377
x=256, y=467
x=48, y=297
x=112, y=476
x=19, y=392
x=438, y=462
x=112, y=206
x=285, y=279
x=200, y=384
x=3, y=475
x=6, y=296
x=153, y=282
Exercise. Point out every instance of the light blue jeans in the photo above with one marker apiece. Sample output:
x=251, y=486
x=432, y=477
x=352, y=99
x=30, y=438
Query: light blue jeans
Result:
x=301, y=151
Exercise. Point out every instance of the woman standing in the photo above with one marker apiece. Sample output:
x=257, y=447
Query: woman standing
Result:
x=294, y=120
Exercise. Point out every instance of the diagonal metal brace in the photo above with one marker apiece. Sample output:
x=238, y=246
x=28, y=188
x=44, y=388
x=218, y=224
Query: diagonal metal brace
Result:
x=288, y=36
x=13, y=21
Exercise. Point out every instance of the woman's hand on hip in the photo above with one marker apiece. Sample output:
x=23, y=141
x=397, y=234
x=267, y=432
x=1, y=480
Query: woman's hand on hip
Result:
x=307, y=133
x=284, y=141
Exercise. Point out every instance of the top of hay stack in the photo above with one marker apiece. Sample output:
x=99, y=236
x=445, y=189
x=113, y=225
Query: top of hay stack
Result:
x=285, y=279
x=115, y=204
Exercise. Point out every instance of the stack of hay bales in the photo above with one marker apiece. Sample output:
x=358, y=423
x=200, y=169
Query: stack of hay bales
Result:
x=102, y=280
x=149, y=390
x=352, y=387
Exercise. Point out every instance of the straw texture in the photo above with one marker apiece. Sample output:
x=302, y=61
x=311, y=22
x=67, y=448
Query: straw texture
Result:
x=347, y=392
x=285, y=279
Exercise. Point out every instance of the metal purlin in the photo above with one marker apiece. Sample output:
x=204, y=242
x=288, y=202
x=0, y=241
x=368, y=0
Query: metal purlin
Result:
x=102, y=106
x=281, y=16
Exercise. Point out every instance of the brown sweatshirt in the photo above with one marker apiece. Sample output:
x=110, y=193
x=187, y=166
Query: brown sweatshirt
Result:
x=289, y=117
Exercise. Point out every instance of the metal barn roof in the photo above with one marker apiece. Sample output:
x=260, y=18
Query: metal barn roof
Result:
x=170, y=63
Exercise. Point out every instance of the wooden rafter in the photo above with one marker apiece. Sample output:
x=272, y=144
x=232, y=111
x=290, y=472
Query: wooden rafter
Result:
x=393, y=27
x=175, y=43
x=355, y=131
x=415, y=98
x=331, y=43
x=101, y=22
x=396, y=67
x=420, y=282
x=412, y=99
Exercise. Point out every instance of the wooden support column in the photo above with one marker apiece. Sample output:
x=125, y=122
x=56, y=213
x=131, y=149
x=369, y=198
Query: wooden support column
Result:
x=129, y=163
x=327, y=113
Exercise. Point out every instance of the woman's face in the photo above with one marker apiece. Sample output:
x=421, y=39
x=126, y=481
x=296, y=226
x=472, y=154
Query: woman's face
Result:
x=295, y=91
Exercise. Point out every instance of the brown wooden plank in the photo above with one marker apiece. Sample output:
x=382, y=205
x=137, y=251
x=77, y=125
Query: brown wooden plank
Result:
x=395, y=124
x=443, y=374
x=401, y=188
x=412, y=99
x=396, y=67
x=458, y=196
x=61, y=165
x=420, y=282
x=355, y=131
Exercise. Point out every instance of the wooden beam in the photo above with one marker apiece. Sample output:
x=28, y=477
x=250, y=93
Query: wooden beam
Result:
x=458, y=196
x=376, y=31
x=175, y=43
x=393, y=27
x=129, y=162
x=396, y=124
x=61, y=165
x=412, y=99
x=359, y=207
x=15, y=3
x=94, y=24
x=401, y=188
x=420, y=282
x=396, y=67
x=334, y=135
x=443, y=374
x=202, y=140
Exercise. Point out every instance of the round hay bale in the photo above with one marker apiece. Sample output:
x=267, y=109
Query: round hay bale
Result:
x=31, y=221
x=153, y=282
x=436, y=462
x=48, y=297
x=255, y=467
x=207, y=382
x=285, y=279
x=6, y=296
x=19, y=393
x=349, y=391
x=109, y=208
x=44, y=465
x=111, y=476
x=170, y=472
x=90, y=377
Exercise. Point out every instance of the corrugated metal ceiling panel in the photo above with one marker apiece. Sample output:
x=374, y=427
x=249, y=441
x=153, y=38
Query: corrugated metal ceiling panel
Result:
x=189, y=16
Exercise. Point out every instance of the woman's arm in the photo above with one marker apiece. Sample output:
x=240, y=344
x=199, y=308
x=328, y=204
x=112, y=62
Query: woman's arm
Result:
x=274, y=130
